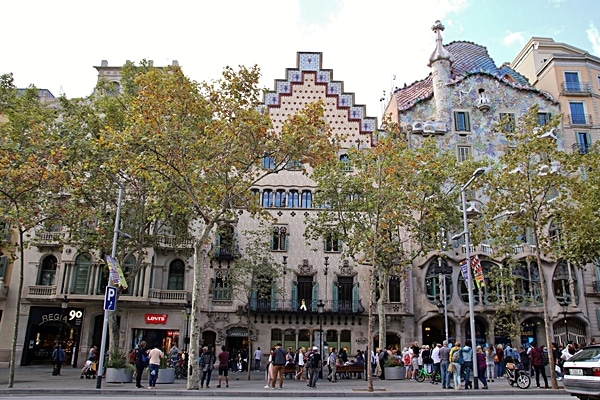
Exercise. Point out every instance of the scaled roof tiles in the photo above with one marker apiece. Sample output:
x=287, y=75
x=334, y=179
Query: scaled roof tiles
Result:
x=469, y=59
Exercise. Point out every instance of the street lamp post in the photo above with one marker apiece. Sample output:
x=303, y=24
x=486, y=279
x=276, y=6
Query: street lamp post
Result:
x=113, y=254
x=478, y=172
x=565, y=307
x=186, y=338
x=320, y=311
x=64, y=303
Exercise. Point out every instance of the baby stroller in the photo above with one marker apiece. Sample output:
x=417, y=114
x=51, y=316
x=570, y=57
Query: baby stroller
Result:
x=88, y=370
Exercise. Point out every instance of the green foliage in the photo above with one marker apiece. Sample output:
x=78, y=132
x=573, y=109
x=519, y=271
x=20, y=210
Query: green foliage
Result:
x=119, y=359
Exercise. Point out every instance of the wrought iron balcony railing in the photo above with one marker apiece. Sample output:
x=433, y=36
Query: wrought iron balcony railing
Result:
x=308, y=307
x=580, y=119
x=576, y=88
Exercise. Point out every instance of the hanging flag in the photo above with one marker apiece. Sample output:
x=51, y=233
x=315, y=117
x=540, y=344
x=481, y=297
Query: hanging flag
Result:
x=465, y=271
x=477, y=271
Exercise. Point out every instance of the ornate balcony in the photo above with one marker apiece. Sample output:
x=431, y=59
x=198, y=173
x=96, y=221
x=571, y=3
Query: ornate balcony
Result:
x=580, y=119
x=48, y=239
x=40, y=292
x=308, y=307
x=162, y=296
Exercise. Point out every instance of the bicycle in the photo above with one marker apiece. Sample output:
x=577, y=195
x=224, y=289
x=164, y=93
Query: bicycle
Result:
x=422, y=374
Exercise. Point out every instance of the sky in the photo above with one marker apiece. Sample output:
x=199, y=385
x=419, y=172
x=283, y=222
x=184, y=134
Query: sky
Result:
x=372, y=46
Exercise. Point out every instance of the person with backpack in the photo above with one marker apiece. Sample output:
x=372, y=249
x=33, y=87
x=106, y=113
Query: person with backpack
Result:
x=207, y=363
x=456, y=357
x=467, y=362
x=314, y=366
x=381, y=359
x=141, y=361
x=58, y=355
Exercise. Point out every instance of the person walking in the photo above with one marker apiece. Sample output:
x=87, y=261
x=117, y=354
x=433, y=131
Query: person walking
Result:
x=300, y=365
x=154, y=357
x=223, y=369
x=536, y=355
x=444, y=364
x=279, y=359
x=332, y=361
x=58, y=355
x=499, y=361
x=257, y=358
x=141, y=361
x=207, y=363
x=314, y=366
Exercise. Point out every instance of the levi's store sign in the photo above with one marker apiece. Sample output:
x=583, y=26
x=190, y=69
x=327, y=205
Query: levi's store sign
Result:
x=156, y=318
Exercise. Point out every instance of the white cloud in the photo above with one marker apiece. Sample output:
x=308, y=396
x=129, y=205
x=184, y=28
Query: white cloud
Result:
x=594, y=37
x=512, y=38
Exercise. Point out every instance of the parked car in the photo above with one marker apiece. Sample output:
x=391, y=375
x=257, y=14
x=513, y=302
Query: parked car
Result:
x=582, y=373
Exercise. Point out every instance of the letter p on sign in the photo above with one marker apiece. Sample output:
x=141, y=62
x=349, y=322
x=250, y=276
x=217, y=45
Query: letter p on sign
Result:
x=110, y=298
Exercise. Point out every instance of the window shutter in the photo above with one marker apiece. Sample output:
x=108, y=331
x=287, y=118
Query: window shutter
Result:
x=253, y=300
x=315, y=297
x=3, y=263
x=467, y=122
x=294, y=295
x=286, y=242
x=335, y=296
x=355, y=297
x=598, y=316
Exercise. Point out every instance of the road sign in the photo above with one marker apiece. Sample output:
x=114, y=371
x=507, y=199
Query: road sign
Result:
x=110, y=298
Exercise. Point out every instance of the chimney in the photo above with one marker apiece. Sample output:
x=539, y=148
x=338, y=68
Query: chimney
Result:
x=104, y=63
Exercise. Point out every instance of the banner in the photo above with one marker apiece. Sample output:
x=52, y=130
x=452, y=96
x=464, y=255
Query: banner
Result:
x=477, y=271
x=116, y=273
x=465, y=272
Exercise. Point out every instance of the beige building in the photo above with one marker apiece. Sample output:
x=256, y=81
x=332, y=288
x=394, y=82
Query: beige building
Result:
x=572, y=76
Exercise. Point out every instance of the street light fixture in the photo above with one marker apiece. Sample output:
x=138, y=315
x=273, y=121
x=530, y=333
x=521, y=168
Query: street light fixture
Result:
x=113, y=255
x=186, y=339
x=565, y=307
x=64, y=303
x=320, y=311
x=478, y=172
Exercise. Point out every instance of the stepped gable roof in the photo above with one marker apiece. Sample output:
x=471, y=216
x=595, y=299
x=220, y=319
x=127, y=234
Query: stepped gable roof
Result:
x=311, y=63
x=469, y=59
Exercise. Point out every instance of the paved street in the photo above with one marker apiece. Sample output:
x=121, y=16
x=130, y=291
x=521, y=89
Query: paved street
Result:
x=36, y=381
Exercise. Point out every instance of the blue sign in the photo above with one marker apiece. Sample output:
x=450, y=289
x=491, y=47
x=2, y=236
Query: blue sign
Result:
x=110, y=299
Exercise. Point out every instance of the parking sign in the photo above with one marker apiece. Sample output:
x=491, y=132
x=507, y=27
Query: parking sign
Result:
x=110, y=298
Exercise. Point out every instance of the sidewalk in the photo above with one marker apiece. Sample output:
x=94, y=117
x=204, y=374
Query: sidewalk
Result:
x=39, y=380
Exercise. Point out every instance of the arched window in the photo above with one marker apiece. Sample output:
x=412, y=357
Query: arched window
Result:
x=491, y=292
x=81, y=272
x=560, y=283
x=279, y=238
x=48, y=271
x=267, y=198
x=280, y=198
x=434, y=281
x=306, y=199
x=293, y=199
x=176, y=275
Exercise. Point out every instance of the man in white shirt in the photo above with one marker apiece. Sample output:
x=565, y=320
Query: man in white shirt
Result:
x=435, y=356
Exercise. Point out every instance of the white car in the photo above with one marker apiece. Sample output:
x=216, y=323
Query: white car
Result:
x=582, y=373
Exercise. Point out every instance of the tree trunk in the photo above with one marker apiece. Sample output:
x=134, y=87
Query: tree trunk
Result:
x=547, y=322
x=13, y=348
x=381, y=308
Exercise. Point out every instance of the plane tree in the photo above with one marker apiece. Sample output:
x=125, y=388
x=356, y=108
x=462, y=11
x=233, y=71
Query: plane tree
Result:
x=524, y=192
x=32, y=181
x=200, y=146
x=387, y=205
